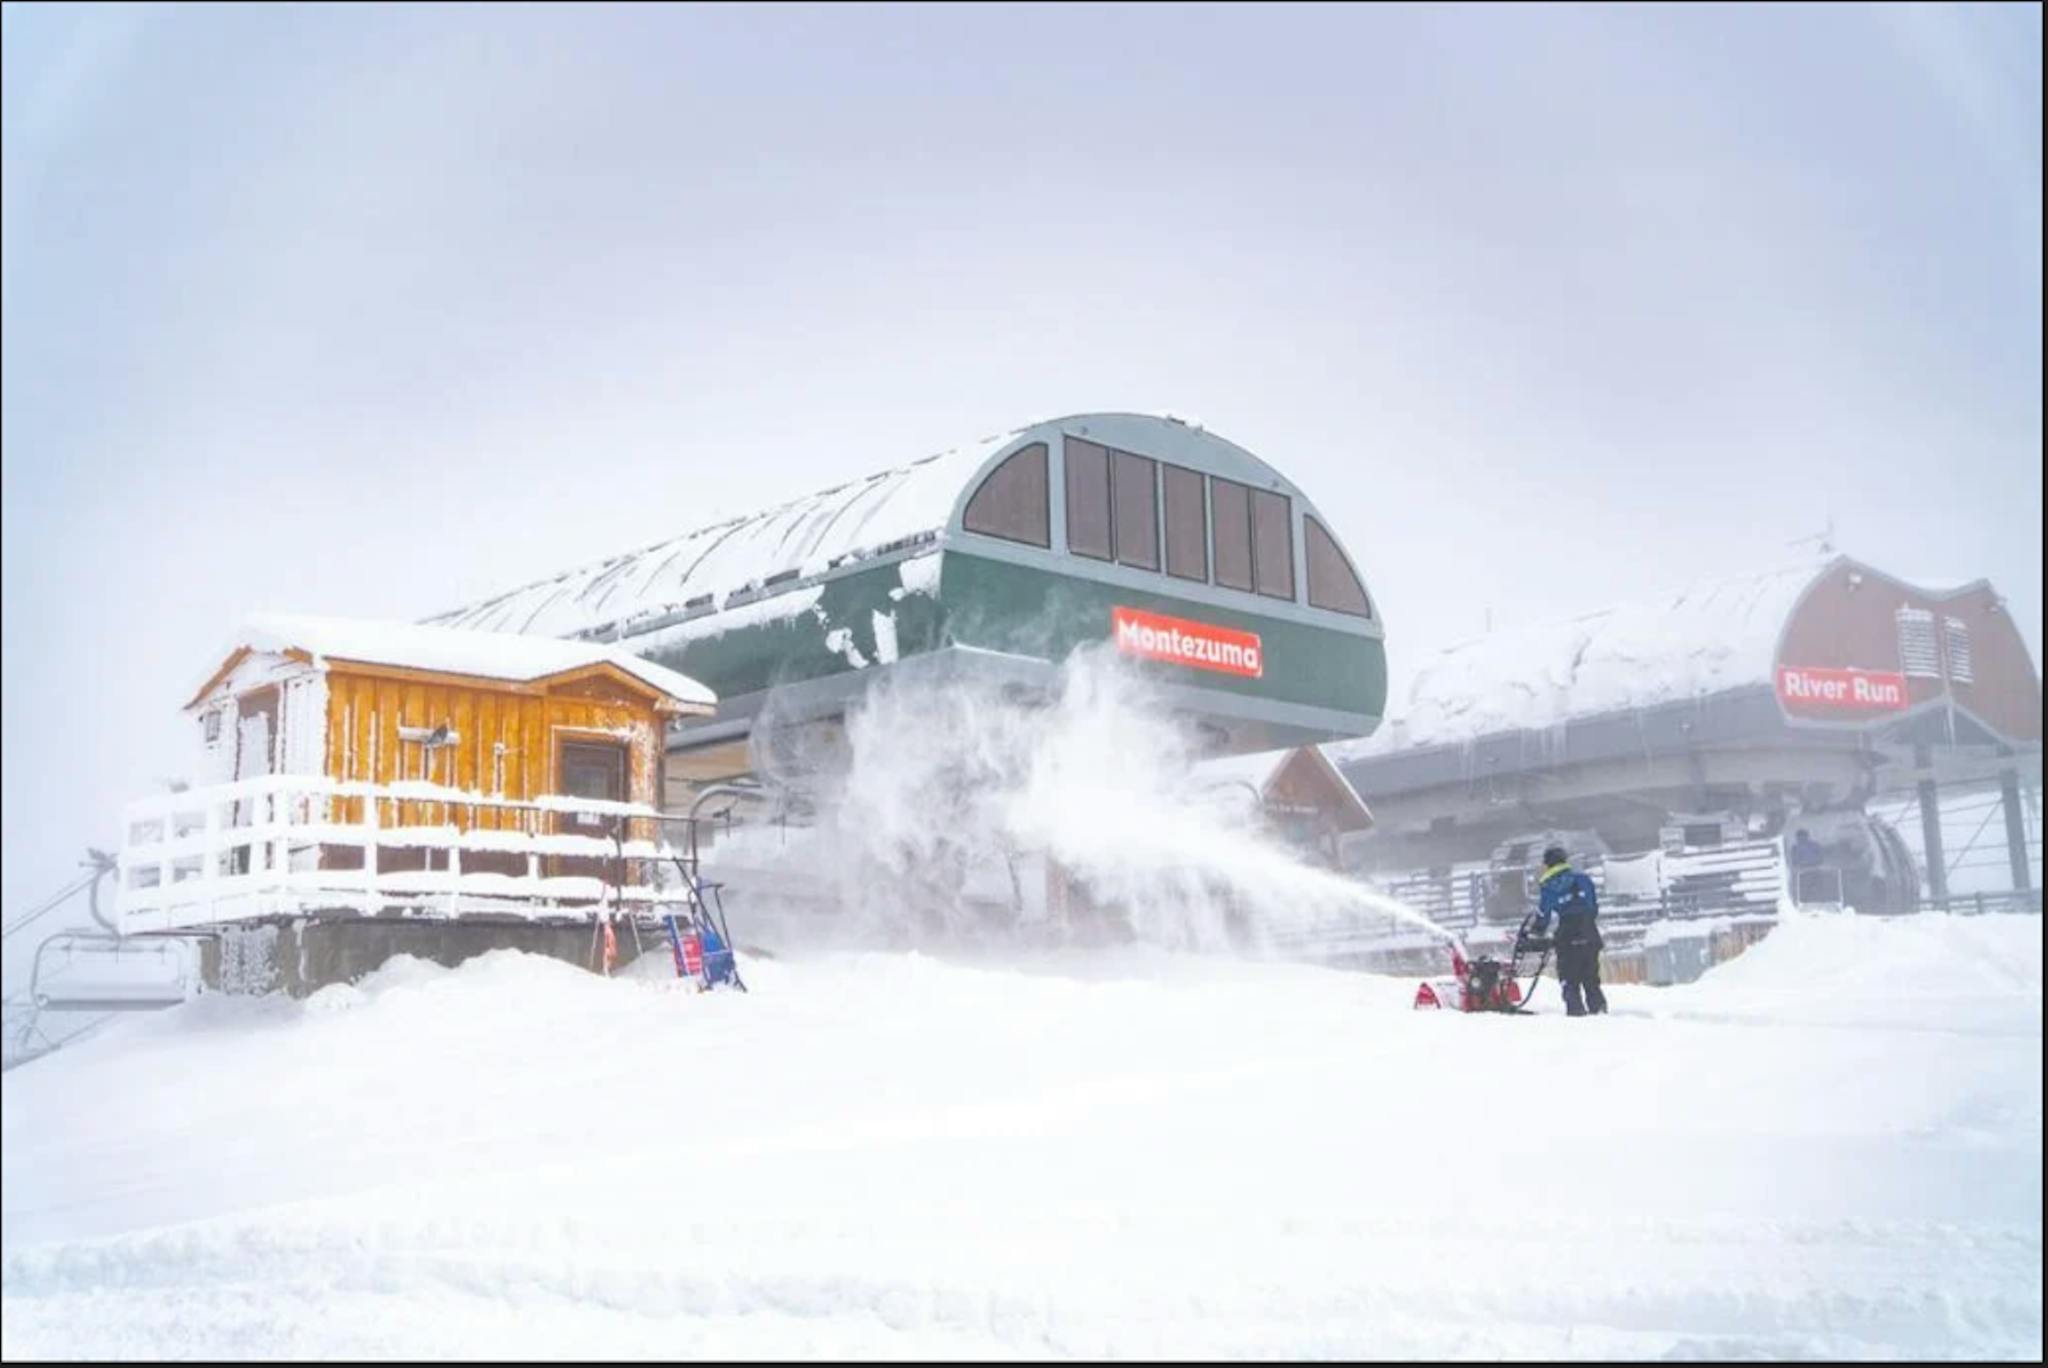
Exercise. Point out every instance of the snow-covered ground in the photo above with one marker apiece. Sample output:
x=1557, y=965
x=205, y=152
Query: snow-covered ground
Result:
x=1830, y=1147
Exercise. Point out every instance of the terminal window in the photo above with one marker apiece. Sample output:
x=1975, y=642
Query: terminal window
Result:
x=1232, y=508
x=1087, y=499
x=1187, y=525
x=1332, y=583
x=1136, y=501
x=1012, y=502
x=1272, y=544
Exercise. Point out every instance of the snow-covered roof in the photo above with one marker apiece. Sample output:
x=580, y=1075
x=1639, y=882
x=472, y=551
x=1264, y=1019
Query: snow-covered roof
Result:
x=1685, y=644
x=1260, y=768
x=450, y=650
x=806, y=536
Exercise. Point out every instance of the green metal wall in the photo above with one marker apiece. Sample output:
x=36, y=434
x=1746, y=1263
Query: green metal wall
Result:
x=1019, y=610
x=1007, y=607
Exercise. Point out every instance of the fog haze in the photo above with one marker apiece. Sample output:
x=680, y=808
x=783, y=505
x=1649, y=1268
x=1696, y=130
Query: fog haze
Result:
x=373, y=311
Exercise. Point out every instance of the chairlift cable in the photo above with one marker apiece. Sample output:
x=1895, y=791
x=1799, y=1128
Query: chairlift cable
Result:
x=55, y=901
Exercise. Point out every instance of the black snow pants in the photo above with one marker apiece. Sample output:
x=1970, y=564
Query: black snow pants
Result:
x=1578, y=966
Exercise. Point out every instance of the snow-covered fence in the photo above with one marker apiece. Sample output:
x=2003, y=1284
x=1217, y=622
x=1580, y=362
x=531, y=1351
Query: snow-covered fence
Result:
x=1739, y=884
x=1738, y=879
x=285, y=845
x=1746, y=878
x=2012, y=900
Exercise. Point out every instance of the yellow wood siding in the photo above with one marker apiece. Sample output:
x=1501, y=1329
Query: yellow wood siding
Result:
x=365, y=710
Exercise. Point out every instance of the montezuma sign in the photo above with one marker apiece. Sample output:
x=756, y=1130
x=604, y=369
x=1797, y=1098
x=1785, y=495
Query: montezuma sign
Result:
x=1182, y=641
x=1809, y=687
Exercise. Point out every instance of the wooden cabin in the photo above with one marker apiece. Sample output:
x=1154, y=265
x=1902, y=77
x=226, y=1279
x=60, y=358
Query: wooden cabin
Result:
x=1301, y=797
x=486, y=712
x=512, y=766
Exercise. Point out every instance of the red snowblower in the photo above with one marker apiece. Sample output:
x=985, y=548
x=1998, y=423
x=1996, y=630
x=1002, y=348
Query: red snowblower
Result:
x=1486, y=984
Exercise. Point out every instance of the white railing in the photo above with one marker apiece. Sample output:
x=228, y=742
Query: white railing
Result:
x=285, y=845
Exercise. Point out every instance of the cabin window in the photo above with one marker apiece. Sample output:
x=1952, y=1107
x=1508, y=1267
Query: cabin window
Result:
x=592, y=769
x=1187, y=525
x=1918, y=655
x=1955, y=637
x=1137, y=510
x=1332, y=583
x=1087, y=499
x=1013, y=501
x=1231, y=505
x=213, y=726
x=1272, y=544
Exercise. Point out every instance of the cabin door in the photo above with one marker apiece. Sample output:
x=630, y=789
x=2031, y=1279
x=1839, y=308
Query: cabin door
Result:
x=590, y=769
x=255, y=756
x=256, y=735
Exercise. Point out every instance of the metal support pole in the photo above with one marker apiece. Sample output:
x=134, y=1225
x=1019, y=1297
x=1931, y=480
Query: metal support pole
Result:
x=1930, y=828
x=2015, y=831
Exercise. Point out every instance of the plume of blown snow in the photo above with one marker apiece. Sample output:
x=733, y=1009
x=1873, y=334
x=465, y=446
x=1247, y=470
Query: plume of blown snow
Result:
x=948, y=798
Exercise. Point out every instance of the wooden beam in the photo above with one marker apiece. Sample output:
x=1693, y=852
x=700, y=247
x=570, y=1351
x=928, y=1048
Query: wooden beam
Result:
x=407, y=674
x=236, y=657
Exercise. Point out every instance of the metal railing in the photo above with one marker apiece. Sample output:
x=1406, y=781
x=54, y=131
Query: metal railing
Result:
x=2012, y=900
x=1736, y=880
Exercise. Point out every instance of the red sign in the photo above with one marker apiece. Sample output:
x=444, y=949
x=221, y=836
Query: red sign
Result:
x=1183, y=642
x=1805, y=687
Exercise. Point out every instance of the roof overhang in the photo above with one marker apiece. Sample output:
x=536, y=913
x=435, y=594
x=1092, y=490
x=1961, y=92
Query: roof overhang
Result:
x=641, y=678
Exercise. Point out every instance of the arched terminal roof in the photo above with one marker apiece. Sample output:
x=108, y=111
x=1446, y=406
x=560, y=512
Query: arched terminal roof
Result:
x=748, y=557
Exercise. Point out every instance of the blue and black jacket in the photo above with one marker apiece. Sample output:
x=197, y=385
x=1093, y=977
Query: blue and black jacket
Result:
x=1570, y=897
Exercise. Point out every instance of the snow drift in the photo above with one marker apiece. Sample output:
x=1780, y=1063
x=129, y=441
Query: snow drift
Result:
x=1133, y=1154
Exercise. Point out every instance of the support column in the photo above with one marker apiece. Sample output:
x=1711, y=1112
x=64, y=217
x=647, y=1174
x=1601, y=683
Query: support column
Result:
x=2015, y=830
x=1930, y=827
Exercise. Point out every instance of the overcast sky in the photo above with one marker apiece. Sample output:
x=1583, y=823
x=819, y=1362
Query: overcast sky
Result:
x=372, y=311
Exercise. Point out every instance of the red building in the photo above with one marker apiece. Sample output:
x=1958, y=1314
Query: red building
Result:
x=1707, y=727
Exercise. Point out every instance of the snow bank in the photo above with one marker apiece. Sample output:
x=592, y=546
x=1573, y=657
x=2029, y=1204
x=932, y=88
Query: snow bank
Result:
x=1932, y=971
x=1145, y=1154
x=1931, y=955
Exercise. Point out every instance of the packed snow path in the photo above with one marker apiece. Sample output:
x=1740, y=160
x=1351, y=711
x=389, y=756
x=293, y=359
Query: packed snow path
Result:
x=1830, y=1147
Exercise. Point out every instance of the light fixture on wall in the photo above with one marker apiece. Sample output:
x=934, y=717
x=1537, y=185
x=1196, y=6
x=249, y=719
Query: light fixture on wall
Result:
x=430, y=737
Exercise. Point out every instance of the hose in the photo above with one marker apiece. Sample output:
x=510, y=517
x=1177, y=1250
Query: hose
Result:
x=1515, y=961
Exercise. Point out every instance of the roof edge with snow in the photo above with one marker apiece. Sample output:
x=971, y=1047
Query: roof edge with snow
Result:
x=504, y=657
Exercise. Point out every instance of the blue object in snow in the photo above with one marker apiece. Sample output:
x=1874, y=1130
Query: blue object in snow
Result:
x=718, y=959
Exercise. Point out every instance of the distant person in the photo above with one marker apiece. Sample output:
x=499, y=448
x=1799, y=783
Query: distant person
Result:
x=1570, y=897
x=1806, y=857
x=1806, y=852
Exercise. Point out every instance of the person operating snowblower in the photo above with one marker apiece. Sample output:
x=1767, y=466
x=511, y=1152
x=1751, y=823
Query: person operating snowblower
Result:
x=1569, y=896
